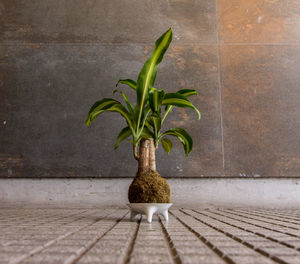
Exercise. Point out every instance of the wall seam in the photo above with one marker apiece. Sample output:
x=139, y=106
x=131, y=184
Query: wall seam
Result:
x=100, y=44
x=220, y=89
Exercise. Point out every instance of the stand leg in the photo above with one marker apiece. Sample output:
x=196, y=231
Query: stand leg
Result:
x=166, y=215
x=150, y=213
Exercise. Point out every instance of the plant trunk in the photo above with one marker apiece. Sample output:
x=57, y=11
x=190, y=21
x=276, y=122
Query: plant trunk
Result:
x=146, y=157
x=152, y=161
x=143, y=159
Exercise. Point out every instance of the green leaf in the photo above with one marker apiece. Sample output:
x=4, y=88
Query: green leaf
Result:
x=156, y=123
x=167, y=145
x=125, y=133
x=148, y=123
x=146, y=133
x=155, y=99
x=187, y=92
x=183, y=136
x=152, y=89
x=179, y=100
x=109, y=105
x=129, y=82
x=103, y=104
x=147, y=75
x=184, y=92
x=145, y=114
x=128, y=103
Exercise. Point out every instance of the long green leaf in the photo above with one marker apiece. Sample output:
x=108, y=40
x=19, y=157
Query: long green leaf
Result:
x=155, y=99
x=148, y=123
x=145, y=115
x=183, y=136
x=128, y=103
x=184, y=92
x=187, y=92
x=109, y=105
x=167, y=145
x=147, y=75
x=103, y=104
x=125, y=133
x=100, y=106
x=129, y=82
x=156, y=123
x=179, y=100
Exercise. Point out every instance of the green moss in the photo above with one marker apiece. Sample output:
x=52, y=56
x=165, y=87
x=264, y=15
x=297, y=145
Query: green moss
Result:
x=149, y=187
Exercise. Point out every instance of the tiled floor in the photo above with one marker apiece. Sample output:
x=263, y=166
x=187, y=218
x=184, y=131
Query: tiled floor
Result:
x=211, y=236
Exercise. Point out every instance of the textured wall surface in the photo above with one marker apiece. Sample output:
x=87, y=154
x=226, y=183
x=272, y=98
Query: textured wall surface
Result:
x=251, y=192
x=59, y=56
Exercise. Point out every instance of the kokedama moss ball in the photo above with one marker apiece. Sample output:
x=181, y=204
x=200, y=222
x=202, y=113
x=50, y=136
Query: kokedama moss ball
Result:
x=149, y=187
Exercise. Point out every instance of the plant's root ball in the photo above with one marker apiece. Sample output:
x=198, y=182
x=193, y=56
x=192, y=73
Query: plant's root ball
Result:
x=149, y=187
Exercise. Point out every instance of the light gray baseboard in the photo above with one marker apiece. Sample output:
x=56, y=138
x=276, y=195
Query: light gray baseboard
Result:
x=264, y=193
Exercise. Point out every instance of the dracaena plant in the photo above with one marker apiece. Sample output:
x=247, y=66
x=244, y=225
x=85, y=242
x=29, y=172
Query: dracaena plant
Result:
x=144, y=118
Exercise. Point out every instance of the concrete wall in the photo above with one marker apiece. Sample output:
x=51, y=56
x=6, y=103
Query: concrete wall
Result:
x=264, y=193
x=58, y=56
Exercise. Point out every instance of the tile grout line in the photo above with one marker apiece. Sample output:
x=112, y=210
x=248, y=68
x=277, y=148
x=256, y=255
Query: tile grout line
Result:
x=272, y=211
x=53, y=241
x=260, y=251
x=32, y=228
x=264, y=216
x=270, y=229
x=82, y=251
x=282, y=215
x=132, y=242
x=250, y=217
x=220, y=89
x=218, y=252
x=250, y=231
x=171, y=248
x=60, y=218
x=261, y=215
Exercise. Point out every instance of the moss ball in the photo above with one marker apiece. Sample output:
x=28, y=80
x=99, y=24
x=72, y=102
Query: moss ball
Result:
x=149, y=187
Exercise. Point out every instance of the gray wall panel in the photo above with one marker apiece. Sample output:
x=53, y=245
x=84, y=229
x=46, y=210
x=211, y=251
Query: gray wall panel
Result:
x=59, y=56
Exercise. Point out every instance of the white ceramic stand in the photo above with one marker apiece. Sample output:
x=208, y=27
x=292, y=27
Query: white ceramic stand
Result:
x=149, y=209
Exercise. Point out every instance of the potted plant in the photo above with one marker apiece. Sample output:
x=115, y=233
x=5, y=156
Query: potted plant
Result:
x=144, y=120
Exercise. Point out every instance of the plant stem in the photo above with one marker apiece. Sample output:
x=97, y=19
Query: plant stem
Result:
x=152, y=161
x=143, y=156
x=135, y=152
x=166, y=113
